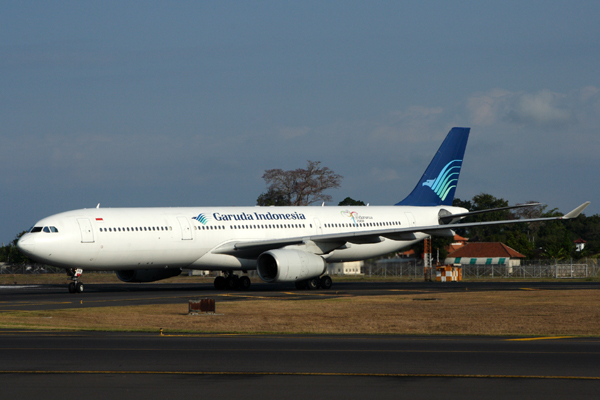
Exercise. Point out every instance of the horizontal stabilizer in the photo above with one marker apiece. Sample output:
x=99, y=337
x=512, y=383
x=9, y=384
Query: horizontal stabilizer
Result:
x=575, y=213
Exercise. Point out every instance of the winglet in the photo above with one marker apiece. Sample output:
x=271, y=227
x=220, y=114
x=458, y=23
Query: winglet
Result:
x=575, y=213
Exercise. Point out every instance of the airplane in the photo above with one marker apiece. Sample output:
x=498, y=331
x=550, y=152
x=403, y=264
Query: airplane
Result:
x=283, y=244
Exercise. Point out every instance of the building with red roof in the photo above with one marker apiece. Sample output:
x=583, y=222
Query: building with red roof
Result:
x=579, y=244
x=459, y=242
x=482, y=253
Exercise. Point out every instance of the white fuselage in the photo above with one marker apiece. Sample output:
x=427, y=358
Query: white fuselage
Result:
x=143, y=238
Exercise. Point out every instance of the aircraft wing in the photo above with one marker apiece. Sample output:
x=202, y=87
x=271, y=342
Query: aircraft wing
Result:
x=324, y=243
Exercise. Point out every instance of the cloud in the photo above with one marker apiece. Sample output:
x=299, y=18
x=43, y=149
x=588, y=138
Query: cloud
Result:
x=486, y=108
x=542, y=109
x=588, y=93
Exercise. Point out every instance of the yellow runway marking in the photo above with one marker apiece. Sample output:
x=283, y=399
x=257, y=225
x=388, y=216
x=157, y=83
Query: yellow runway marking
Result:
x=541, y=338
x=353, y=374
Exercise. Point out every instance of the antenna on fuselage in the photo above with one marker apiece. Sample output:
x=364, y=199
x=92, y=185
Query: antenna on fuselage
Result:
x=98, y=206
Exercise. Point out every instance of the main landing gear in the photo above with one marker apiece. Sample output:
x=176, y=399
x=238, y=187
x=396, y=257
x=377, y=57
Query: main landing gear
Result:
x=323, y=282
x=75, y=286
x=232, y=282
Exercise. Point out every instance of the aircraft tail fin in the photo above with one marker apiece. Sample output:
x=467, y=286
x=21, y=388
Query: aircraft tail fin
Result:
x=438, y=183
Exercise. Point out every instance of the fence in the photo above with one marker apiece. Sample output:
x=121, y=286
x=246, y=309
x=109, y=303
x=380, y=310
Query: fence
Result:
x=586, y=268
x=32, y=269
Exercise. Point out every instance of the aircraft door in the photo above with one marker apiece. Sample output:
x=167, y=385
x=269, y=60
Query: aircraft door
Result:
x=186, y=229
x=318, y=227
x=87, y=233
x=411, y=219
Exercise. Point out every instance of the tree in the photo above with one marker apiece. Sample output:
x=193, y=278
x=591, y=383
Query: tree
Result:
x=273, y=198
x=10, y=254
x=349, y=201
x=299, y=187
x=484, y=201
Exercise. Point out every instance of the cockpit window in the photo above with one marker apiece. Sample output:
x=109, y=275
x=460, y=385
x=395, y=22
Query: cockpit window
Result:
x=47, y=229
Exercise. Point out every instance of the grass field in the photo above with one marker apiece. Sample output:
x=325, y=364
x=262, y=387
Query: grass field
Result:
x=521, y=312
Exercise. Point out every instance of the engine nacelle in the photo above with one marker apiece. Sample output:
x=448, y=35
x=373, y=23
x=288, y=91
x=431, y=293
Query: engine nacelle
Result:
x=289, y=265
x=147, y=275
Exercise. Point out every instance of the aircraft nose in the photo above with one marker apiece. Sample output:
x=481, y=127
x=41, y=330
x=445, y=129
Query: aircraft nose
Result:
x=26, y=245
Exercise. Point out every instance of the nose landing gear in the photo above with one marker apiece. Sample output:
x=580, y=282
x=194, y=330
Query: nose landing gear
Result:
x=75, y=286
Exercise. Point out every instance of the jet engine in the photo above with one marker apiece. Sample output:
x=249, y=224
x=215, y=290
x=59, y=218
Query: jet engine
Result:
x=147, y=275
x=289, y=265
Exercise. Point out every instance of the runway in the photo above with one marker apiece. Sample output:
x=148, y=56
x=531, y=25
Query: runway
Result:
x=123, y=366
x=54, y=296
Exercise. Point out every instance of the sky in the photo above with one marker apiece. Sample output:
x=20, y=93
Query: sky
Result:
x=187, y=103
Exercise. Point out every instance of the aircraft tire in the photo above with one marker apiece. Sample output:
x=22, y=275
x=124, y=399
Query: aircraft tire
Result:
x=71, y=287
x=244, y=282
x=79, y=287
x=300, y=285
x=220, y=283
x=326, y=282
x=312, y=284
x=232, y=282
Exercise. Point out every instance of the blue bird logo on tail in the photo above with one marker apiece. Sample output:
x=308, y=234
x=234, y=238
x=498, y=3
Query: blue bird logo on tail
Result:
x=446, y=180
